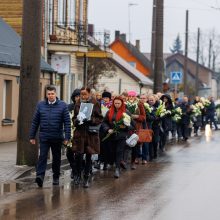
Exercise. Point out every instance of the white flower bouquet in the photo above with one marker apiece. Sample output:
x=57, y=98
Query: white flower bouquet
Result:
x=177, y=113
x=196, y=110
x=147, y=108
x=205, y=101
x=161, y=110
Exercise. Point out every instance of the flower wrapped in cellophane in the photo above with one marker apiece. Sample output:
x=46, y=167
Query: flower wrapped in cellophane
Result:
x=205, y=101
x=177, y=114
x=120, y=124
x=69, y=144
x=147, y=108
x=161, y=110
x=132, y=107
x=196, y=111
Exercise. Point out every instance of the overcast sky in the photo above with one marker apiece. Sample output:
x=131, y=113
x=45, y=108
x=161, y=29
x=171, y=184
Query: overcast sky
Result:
x=113, y=15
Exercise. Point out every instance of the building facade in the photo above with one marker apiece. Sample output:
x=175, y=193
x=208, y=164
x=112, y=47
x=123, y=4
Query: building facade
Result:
x=64, y=34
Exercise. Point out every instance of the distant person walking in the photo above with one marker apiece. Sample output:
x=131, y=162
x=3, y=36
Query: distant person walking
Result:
x=52, y=116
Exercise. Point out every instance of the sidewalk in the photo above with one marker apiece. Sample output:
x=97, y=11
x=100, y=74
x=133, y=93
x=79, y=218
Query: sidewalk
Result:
x=8, y=168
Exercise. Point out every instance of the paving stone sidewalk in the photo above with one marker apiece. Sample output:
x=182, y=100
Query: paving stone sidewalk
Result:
x=8, y=168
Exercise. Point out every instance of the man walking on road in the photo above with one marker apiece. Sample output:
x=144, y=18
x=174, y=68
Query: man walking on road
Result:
x=53, y=118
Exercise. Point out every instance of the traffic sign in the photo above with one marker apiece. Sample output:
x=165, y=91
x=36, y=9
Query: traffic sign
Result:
x=176, y=77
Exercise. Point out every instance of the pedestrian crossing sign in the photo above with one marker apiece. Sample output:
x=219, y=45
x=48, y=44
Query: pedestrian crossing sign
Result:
x=176, y=77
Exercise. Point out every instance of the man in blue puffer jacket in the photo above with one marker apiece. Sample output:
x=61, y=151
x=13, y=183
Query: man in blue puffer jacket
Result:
x=52, y=116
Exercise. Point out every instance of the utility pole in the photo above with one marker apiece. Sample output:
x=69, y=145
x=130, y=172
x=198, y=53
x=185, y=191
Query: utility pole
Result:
x=158, y=62
x=197, y=62
x=210, y=53
x=153, y=35
x=29, y=79
x=186, y=55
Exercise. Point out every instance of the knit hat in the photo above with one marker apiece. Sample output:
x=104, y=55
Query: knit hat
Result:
x=132, y=93
x=106, y=95
x=75, y=93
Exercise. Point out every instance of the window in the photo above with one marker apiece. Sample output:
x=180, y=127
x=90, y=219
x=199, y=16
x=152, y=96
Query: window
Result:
x=71, y=13
x=7, y=99
x=50, y=16
x=62, y=12
x=81, y=10
x=132, y=64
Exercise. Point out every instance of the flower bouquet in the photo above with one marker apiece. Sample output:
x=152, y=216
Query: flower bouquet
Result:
x=104, y=110
x=124, y=121
x=132, y=107
x=147, y=108
x=196, y=110
x=69, y=144
x=177, y=113
x=205, y=101
x=161, y=110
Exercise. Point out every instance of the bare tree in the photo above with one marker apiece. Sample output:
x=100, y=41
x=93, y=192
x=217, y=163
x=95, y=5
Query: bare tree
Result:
x=97, y=68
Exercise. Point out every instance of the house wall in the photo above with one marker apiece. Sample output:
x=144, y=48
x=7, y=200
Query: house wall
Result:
x=11, y=13
x=123, y=52
x=9, y=132
x=127, y=83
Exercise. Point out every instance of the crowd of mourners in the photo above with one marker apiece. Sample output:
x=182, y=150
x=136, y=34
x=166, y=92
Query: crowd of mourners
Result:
x=115, y=118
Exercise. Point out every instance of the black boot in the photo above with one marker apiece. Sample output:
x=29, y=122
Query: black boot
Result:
x=86, y=181
x=77, y=179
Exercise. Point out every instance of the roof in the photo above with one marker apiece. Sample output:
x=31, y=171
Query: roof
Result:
x=140, y=56
x=165, y=55
x=133, y=72
x=181, y=58
x=10, y=50
x=123, y=64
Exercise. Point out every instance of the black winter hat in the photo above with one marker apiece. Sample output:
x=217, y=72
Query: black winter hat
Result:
x=106, y=95
x=75, y=93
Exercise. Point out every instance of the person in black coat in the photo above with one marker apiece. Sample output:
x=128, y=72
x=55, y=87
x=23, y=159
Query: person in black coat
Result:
x=154, y=123
x=166, y=121
x=117, y=140
x=210, y=113
x=185, y=120
x=53, y=118
x=69, y=153
x=197, y=120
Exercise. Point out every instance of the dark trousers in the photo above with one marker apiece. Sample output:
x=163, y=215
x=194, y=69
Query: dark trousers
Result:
x=135, y=152
x=185, y=130
x=70, y=157
x=55, y=146
x=117, y=147
x=145, y=151
x=80, y=166
x=163, y=139
x=211, y=119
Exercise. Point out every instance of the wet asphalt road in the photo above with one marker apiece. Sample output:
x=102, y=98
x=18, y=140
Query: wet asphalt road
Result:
x=184, y=183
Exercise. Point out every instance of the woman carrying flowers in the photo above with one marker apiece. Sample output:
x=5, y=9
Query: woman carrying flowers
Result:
x=153, y=122
x=85, y=141
x=117, y=123
x=196, y=118
x=136, y=108
x=166, y=120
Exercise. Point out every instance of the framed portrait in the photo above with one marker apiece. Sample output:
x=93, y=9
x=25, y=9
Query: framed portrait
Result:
x=86, y=110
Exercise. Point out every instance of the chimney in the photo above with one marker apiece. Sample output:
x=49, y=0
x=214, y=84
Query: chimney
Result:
x=91, y=30
x=137, y=45
x=123, y=37
x=117, y=34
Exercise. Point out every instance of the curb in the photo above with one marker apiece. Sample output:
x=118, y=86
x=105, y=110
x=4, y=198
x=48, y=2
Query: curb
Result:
x=64, y=164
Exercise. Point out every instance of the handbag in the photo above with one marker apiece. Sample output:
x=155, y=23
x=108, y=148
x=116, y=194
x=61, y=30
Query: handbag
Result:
x=145, y=135
x=94, y=129
x=132, y=140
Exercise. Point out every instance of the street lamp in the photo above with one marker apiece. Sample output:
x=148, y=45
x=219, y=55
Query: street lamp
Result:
x=129, y=20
